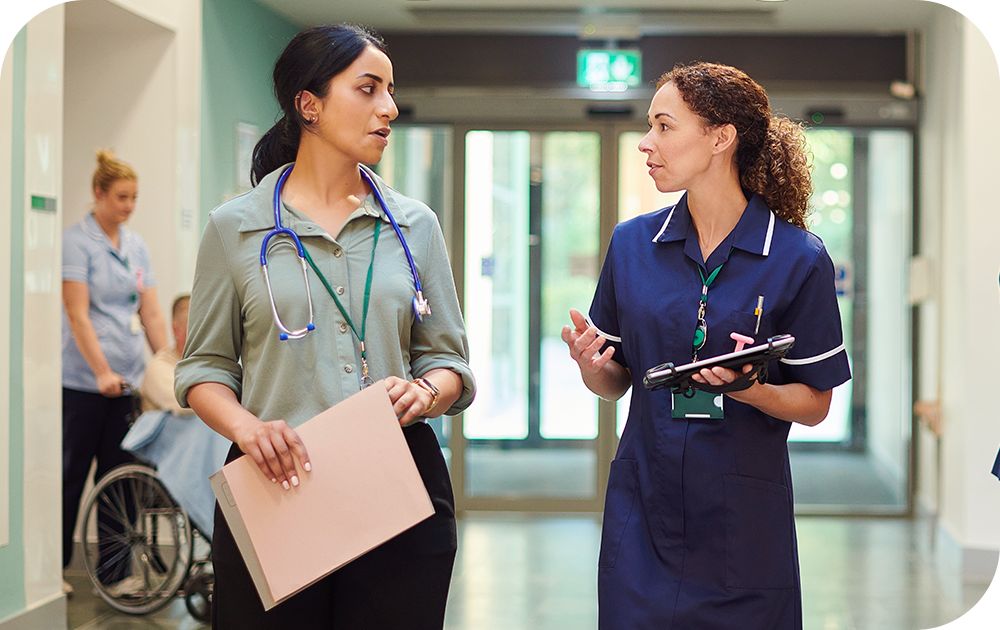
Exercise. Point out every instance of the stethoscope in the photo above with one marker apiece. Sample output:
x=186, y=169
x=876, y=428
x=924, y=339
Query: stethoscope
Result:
x=421, y=307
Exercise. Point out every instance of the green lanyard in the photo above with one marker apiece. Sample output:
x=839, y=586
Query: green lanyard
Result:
x=701, y=328
x=366, y=380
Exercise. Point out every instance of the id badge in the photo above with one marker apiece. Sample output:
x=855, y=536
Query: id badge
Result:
x=702, y=406
x=135, y=324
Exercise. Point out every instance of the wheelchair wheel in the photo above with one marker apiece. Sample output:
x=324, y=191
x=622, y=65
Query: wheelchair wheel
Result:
x=198, y=592
x=137, y=541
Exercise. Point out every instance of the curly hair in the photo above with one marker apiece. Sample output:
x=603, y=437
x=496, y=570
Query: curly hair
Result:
x=772, y=156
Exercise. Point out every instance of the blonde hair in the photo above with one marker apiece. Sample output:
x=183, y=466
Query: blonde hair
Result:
x=109, y=170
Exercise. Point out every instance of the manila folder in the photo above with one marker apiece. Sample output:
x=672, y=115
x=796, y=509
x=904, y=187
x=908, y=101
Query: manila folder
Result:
x=364, y=489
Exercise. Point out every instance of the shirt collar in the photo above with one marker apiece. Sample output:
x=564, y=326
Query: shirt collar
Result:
x=93, y=230
x=752, y=233
x=260, y=214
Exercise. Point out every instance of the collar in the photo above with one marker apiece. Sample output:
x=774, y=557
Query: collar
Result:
x=260, y=200
x=752, y=233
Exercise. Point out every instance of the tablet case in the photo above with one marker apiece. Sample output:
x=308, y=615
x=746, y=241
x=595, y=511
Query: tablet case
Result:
x=678, y=379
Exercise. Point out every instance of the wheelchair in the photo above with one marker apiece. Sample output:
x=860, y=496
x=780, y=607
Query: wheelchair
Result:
x=141, y=549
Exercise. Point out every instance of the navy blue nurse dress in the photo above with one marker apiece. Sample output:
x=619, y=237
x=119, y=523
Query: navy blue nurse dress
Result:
x=996, y=466
x=698, y=525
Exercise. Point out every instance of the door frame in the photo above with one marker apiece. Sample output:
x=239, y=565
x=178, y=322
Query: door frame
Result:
x=606, y=442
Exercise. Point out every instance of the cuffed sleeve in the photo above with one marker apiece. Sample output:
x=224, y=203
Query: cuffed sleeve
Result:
x=75, y=259
x=818, y=358
x=439, y=341
x=604, y=307
x=214, y=340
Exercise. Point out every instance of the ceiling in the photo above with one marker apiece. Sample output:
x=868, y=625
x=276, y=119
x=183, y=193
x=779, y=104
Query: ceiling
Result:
x=621, y=19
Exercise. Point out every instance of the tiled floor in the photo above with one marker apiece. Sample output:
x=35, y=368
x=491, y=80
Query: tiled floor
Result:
x=519, y=572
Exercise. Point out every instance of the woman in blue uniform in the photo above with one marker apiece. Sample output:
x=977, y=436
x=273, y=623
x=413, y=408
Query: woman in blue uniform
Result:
x=698, y=522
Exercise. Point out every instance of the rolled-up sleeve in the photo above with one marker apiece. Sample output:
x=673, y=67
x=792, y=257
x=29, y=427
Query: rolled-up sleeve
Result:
x=439, y=341
x=214, y=340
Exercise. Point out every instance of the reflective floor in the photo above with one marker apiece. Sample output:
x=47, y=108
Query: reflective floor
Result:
x=519, y=572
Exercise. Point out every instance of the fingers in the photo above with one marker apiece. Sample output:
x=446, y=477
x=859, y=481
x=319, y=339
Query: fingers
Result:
x=579, y=321
x=298, y=448
x=601, y=360
x=274, y=446
x=409, y=401
x=716, y=376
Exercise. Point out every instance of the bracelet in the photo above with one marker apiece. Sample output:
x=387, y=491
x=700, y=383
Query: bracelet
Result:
x=431, y=389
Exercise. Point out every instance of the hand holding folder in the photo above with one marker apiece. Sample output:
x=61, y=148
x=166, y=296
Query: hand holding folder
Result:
x=364, y=489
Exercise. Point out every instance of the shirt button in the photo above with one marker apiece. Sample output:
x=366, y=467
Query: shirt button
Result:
x=343, y=327
x=338, y=252
x=340, y=290
x=348, y=368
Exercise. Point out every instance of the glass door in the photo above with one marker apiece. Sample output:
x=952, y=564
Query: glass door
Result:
x=531, y=252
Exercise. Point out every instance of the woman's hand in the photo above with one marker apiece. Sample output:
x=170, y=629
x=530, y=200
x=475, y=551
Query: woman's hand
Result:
x=585, y=345
x=110, y=384
x=792, y=402
x=409, y=400
x=723, y=376
x=272, y=446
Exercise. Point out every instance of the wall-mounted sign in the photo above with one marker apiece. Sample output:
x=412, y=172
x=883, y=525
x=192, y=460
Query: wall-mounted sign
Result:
x=608, y=70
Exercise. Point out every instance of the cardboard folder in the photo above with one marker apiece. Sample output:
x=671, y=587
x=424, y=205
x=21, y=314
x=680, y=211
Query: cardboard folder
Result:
x=364, y=489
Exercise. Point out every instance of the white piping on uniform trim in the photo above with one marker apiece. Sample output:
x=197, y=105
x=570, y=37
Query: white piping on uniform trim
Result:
x=767, y=239
x=602, y=333
x=815, y=359
x=664, y=228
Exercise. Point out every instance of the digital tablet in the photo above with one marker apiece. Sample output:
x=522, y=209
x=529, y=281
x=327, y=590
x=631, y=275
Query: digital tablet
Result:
x=678, y=378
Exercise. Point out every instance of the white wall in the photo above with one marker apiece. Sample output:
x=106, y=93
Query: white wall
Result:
x=42, y=302
x=960, y=227
x=120, y=78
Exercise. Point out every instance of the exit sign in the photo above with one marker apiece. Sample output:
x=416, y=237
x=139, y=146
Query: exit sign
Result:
x=608, y=70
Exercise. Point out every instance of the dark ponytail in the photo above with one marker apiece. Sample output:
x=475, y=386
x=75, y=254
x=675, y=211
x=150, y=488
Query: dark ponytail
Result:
x=309, y=61
x=772, y=155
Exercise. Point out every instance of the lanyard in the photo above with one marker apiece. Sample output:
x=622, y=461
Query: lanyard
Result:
x=366, y=380
x=701, y=328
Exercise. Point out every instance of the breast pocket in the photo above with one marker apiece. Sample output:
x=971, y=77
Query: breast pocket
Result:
x=622, y=489
x=760, y=545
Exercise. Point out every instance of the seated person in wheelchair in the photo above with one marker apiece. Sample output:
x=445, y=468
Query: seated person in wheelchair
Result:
x=158, y=384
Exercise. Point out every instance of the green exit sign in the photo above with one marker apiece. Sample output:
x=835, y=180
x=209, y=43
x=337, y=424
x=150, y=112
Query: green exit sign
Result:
x=608, y=70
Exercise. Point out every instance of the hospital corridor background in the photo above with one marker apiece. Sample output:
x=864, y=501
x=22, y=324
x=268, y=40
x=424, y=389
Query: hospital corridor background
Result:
x=518, y=125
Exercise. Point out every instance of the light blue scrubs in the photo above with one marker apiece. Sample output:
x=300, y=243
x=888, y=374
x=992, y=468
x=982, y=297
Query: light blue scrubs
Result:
x=698, y=523
x=114, y=279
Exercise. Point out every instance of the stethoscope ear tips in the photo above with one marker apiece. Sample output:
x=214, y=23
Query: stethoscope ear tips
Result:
x=283, y=336
x=310, y=326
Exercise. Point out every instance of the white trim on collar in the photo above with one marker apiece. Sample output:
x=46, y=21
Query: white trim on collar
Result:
x=770, y=233
x=663, y=229
x=815, y=359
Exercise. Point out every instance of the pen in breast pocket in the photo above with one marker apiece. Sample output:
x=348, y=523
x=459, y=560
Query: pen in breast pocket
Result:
x=758, y=312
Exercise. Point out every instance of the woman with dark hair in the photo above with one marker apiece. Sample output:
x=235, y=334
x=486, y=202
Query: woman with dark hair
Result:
x=698, y=523
x=252, y=376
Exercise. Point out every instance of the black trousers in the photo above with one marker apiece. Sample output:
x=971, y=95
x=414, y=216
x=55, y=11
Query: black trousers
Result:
x=400, y=585
x=93, y=426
